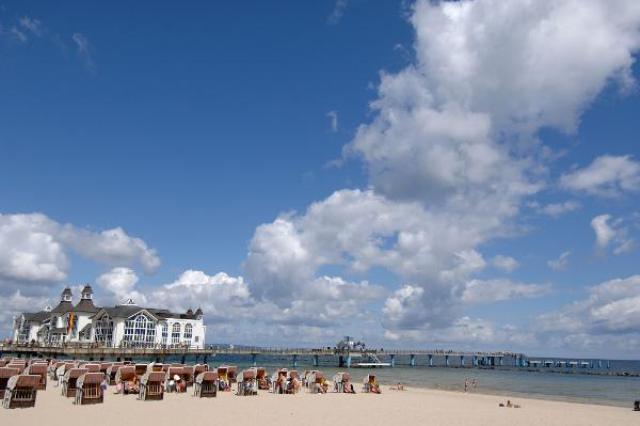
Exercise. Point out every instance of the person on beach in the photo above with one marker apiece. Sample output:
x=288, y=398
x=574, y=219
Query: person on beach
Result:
x=398, y=387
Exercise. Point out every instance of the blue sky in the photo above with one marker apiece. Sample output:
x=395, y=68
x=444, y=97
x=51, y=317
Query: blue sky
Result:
x=330, y=167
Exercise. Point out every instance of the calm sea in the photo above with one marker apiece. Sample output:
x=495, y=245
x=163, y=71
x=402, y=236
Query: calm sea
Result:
x=608, y=386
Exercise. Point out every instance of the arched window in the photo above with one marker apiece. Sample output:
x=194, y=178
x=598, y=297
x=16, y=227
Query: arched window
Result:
x=165, y=333
x=188, y=333
x=139, y=331
x=175, y=334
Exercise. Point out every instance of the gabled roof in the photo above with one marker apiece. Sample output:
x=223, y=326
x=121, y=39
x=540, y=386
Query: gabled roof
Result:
x=36, y=316
x=62, y=308
x=86, y=305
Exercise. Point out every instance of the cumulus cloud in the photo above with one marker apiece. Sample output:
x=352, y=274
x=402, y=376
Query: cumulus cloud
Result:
x=606, y=176
x=120, y=284
x=610, y=231
x=561, y=263
x=452, y=153
x=220, y=296
x=497, y=290
x=610, y=314
x=34, y=249
x=505, y=263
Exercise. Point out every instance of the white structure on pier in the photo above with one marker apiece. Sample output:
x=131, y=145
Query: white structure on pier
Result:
x=124, y=325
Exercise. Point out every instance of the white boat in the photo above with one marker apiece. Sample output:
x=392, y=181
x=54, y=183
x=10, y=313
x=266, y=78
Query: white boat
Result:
x=371, y=365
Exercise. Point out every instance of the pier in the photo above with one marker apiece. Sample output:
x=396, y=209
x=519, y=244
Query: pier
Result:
x=342, y=357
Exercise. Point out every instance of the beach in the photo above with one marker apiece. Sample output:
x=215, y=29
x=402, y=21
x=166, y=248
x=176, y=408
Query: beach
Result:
x=413, y=406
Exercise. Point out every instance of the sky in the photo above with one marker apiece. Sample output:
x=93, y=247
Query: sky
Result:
x=417, y=174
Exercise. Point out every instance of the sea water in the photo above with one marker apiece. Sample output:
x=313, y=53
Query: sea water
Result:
x=618, y=385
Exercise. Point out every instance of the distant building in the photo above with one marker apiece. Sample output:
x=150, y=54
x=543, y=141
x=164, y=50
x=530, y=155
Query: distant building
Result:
x=124, y=325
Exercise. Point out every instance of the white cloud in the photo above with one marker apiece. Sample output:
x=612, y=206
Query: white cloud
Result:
x=559, y=209
x=452, y=152
x=606, y=176
x=31, y=24
x=609, y=315
x=611, y=232
x=468, y=333
x=333, y=120
x=505, y=263
x=33, y=249
x=111, y=247
x=338, y=12
x=496, y=290
x=561, y=263
x=221, y=297
x=83, y=49
x=18, y=35
x=120, y=283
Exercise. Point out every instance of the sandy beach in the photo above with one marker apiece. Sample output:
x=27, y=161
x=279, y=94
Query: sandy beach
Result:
x=410, y=407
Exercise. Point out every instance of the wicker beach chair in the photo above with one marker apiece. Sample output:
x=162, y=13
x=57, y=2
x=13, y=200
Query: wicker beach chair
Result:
x=39, y=369
x=170, y=383
x=316, y=382
x=247, y=385
x=278, y=381
x=370, y=384
x=199, y=368
x=70, y=381
x=3, y=362
x=89, y=389
x=21, y=391
x=141, y=369
x=111, y=372
x=5, y=374
x=152, y=386
x=262, y=378
x=125, y=375
x=205, y=385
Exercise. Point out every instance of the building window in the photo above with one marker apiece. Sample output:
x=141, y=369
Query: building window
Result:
x=188, y=333
x=175, y=334
x=139, y=331
x=103, y=331
x=165, y=333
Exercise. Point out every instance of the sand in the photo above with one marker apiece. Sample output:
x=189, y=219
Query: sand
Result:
x=411, y=407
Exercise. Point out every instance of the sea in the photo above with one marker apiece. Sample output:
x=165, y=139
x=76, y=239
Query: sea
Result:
x=617, y=384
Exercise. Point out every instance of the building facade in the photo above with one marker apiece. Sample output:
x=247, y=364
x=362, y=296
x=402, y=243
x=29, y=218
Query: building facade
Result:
x=124, y=325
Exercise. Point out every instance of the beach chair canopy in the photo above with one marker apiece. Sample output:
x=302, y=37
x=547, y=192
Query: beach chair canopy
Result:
x=90, y=378
x=249, y=374
x=23, y=381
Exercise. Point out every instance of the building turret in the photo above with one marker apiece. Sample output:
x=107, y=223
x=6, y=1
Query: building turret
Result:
x=65, y=304
x=198, y=314
x=87, y=292
x=86, y=302
x=66, y=295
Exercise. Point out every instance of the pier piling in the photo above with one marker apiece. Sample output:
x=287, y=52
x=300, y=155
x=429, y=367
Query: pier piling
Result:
x=446, y=360
x=393, y=360
x=412, y=360
x=316, y=360
x=430, y=360
x=254, y=359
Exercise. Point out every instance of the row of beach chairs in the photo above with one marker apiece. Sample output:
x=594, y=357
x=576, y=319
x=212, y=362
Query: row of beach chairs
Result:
x=86, y=382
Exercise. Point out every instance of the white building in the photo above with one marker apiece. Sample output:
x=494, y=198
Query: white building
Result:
x=125, y=325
